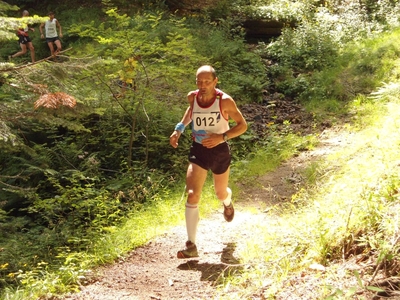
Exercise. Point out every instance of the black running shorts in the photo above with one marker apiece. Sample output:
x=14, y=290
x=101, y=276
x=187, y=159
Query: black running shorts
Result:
x=52, y=40
x=24, y=39
x=217, y=159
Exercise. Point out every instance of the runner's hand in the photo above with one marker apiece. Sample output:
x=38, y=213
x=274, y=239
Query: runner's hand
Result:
x=173, y=139
x=212, y=140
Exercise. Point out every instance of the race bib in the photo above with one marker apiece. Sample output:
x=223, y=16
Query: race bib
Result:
x=206, y=121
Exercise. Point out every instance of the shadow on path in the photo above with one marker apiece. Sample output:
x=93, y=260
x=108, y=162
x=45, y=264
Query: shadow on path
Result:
x=215, y=272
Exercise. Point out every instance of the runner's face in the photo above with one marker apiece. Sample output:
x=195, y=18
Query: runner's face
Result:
x=206, y=82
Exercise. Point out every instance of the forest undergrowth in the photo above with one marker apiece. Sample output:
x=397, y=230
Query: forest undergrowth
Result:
x=86, y=168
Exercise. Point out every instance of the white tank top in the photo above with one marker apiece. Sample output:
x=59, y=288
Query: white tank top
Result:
x=50, y=27
x=208, y=119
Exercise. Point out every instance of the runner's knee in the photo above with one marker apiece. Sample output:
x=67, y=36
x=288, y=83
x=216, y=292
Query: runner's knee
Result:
x=193, y=198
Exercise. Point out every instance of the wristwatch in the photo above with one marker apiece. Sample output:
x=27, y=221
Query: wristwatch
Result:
x=225, y=136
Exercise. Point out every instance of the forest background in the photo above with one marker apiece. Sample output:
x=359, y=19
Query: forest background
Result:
x=84, y=138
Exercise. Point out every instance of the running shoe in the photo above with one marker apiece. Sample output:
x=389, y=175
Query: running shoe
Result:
x=229, y=212
x=189, y=252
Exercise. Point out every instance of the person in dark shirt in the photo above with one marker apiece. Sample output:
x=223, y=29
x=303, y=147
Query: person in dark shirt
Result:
x=24, y=40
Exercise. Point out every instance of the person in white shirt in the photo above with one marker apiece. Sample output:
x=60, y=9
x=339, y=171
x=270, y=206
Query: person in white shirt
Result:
x=208, y=112
x=52, y=36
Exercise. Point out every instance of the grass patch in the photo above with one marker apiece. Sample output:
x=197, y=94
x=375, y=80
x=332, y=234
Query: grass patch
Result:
x=354, y=194
x=72, y=268
x=270, y=154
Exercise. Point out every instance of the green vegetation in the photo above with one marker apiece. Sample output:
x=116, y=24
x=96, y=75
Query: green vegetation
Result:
x=85, y=162
x=351, y=201
x=351, y=204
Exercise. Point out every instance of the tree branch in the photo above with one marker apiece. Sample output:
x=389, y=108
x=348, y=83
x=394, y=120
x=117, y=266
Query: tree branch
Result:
x=31, y=64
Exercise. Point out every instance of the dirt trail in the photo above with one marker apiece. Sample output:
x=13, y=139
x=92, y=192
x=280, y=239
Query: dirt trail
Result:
x=154, y=272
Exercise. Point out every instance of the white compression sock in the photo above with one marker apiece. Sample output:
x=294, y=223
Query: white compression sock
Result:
x=192, y=219
x=228, y=199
